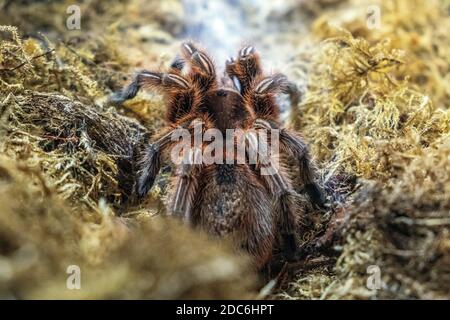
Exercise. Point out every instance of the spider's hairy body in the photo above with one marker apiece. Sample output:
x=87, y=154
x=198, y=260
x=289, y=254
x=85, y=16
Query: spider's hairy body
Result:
x=226, y=109
x=247, y=217
x=234, y=199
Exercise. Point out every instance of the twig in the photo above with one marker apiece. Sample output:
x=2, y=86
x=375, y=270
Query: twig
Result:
x=268, y=288
x=311, y=263
x=25, y=62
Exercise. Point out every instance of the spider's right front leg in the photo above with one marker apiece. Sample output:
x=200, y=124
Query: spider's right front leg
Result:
x=281, y=189
x=244, y=69
x=295, y=146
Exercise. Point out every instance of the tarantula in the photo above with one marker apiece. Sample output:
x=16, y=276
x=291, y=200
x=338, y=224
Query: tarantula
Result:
x=257, y=211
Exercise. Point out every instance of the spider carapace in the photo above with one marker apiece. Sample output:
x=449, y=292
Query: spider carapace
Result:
x=257, y=211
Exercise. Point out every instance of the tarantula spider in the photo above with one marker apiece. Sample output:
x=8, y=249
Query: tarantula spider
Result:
x=257, y=211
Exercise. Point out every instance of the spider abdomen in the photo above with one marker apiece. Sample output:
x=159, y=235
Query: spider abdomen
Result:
x=241, y=210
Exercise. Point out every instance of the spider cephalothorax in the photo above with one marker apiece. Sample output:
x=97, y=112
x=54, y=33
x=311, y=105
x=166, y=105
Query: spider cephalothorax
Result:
x=234, y=199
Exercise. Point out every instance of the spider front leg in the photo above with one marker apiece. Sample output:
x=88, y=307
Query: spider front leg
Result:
x=244, y=69
x=185, y=191
x=166, y=82
x=183, y=96
x=281, y=189
x=203, y=72
x=149, y=162
x=261, y=97
x=187, y=174
x=295, y=146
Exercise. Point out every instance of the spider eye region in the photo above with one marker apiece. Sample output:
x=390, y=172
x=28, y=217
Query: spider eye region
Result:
x=222, y=93
x=226, y=108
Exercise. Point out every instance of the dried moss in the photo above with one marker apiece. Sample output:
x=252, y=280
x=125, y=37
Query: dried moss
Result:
x=87, y=153
x=40, y=236
x=369, y=112
x=423, y=36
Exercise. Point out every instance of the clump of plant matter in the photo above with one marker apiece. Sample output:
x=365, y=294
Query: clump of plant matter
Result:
x=42, y=238
x=376, y=107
